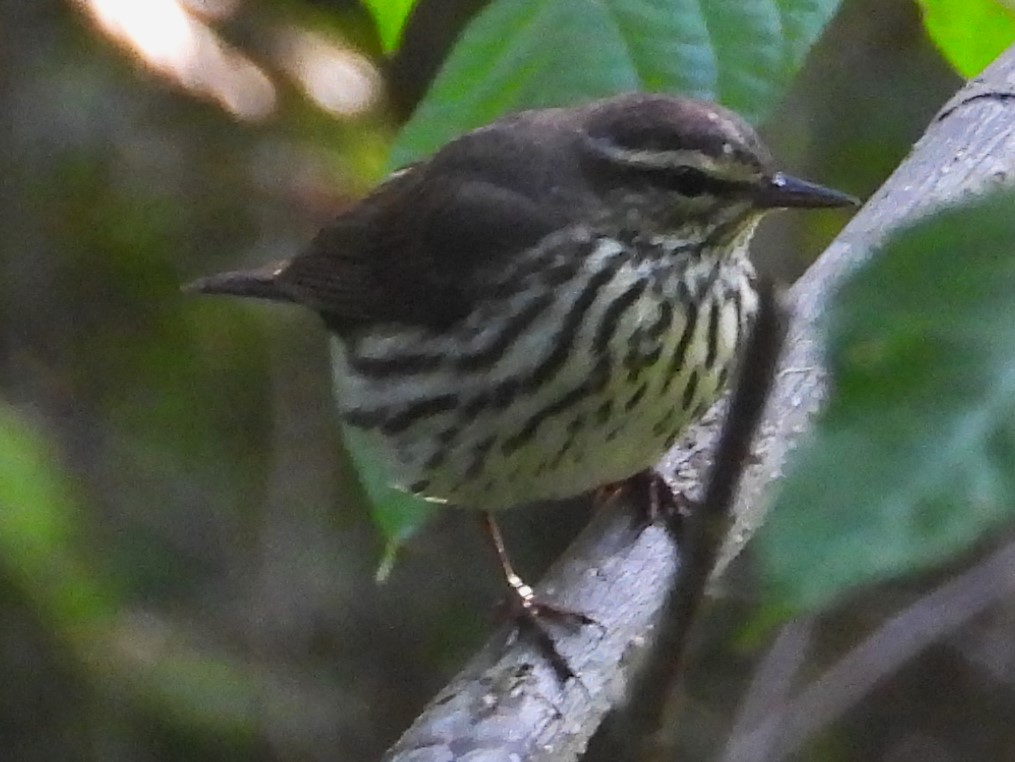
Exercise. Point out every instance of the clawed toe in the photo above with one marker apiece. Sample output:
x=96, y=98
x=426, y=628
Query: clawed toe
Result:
x=531, y=616
x=656, y=500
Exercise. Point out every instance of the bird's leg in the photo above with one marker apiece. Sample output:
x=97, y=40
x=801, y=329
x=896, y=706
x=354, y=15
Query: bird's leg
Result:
x=654, y=498
x=528, y=613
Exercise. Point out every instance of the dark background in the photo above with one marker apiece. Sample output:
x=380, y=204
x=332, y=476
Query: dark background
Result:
x=190, y=574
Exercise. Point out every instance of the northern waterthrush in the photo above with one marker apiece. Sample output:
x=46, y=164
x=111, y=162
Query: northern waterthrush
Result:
x=542, y=306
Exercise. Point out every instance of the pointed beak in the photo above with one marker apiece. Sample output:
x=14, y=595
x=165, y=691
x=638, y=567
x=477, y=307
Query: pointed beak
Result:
x=259, y=284
x=783, y=191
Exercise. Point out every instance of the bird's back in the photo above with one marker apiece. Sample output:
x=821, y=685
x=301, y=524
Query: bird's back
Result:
x=419, y=250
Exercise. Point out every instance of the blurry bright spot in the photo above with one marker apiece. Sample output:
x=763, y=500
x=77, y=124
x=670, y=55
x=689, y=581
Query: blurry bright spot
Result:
x=336, y=78
x=213, y=9
x=167, y=37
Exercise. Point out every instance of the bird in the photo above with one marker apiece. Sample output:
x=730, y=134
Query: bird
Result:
x=542, y=306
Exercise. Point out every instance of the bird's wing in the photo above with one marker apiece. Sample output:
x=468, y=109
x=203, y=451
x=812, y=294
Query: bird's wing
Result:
x=409, y=252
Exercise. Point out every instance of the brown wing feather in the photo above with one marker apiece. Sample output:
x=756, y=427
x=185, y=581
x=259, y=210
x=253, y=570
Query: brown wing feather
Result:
x=411, y=251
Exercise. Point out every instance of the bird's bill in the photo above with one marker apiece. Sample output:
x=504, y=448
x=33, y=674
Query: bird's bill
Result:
x=259, y=284
x=784, y=191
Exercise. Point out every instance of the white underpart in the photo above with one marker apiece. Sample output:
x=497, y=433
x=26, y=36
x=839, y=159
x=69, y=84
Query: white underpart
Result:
x=599, y=453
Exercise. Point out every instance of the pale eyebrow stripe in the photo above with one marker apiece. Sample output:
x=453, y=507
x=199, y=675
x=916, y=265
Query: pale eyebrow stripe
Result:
x=663, y=159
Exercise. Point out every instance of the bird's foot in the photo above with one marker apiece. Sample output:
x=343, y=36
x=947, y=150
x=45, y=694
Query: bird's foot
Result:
x=531, y=617
x=655, y=499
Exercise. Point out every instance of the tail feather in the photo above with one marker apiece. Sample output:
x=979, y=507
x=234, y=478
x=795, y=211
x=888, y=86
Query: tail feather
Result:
x=261, y=283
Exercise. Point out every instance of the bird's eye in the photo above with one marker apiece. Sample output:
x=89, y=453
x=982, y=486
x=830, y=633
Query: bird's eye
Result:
x=687, y=181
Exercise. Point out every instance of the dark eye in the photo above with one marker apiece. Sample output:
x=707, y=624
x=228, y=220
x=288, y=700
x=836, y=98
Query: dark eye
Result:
x=686, y=181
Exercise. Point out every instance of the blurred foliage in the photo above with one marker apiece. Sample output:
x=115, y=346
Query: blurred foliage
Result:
x=397, y=514
x=970, y=33
x=40, y=534
x=390, y=17
x=187, y=565
x=547, y=53
x=914, y=458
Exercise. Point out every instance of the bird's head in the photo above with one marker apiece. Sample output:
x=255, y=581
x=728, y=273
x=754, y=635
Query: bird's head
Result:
x=678, y=165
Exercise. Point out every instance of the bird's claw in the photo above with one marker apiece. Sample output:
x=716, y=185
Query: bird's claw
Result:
x=655, y=499
x=530, y=616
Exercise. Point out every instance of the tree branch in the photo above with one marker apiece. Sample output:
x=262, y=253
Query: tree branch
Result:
x=508, y=701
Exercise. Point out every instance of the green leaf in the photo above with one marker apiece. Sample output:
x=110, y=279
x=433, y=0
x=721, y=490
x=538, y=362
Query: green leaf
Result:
x=969, y=33
x=390, y=17
x=517, y=55
x=397, y=514
x=914, y=458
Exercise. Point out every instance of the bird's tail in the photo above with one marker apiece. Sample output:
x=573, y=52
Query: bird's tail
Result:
x=261, y=283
